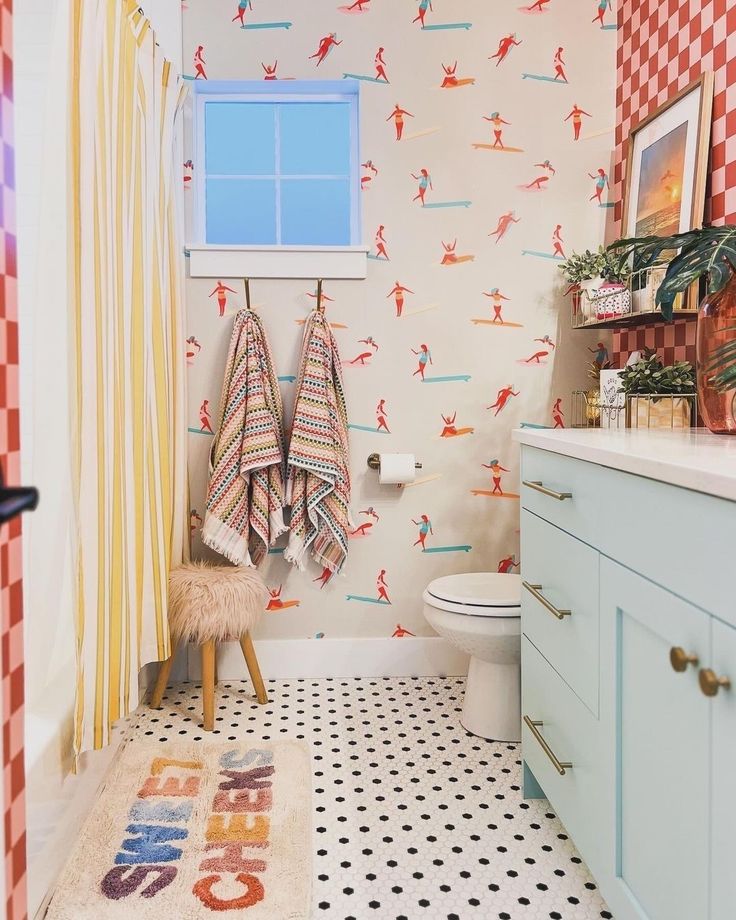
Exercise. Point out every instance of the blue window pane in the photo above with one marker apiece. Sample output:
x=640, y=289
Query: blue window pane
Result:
x=240, y=139
x=315, y=212
x=315, y=139
x=241, y=211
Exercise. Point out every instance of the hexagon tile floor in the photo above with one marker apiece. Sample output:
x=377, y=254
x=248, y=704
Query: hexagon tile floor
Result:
x=414, y=819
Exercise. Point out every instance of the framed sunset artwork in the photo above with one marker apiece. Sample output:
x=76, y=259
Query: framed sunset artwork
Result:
x=667, y=165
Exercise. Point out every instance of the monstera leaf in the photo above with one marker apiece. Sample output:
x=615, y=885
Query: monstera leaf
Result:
x=710, y=251
x=721, y=366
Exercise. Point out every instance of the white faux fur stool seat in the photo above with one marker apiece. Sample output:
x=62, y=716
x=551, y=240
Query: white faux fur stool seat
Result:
x=209, y=604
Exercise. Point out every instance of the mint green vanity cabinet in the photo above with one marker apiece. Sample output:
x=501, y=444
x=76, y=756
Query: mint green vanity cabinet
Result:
x=648, y=792
x=657, y=766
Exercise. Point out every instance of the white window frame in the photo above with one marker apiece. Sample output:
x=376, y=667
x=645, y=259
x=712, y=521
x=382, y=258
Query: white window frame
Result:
x=214, y=260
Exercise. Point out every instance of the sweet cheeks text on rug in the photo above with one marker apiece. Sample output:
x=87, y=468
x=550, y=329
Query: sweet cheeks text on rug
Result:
x=237, y=831
x=195, y=830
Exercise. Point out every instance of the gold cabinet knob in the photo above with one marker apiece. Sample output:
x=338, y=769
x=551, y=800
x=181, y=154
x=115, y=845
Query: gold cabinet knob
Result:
x=679, y=659
x=711, y=683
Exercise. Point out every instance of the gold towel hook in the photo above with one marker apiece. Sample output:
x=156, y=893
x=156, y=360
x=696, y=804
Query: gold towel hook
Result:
x=320, y=305
x=246, y=283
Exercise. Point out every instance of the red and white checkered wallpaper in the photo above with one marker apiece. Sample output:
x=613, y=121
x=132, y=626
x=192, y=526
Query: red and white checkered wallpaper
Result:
x=11, y=585
x=662, y=46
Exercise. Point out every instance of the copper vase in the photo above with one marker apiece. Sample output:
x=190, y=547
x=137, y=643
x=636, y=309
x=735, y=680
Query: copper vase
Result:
x=716, y=328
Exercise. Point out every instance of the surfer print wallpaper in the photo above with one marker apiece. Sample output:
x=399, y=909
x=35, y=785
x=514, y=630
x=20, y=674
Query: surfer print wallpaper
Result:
x=486, y=138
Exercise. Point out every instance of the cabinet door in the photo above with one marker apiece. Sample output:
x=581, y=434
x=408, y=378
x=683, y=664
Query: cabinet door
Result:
x=658, y=723
x=723, y=851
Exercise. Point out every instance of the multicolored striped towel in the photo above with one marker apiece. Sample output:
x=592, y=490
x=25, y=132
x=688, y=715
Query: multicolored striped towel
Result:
x=318, y=487
x=245, y=499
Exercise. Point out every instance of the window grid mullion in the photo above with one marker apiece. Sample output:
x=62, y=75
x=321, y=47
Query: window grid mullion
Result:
x=277, y=140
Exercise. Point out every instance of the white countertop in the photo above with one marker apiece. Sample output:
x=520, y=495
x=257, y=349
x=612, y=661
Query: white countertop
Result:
x=694, y=459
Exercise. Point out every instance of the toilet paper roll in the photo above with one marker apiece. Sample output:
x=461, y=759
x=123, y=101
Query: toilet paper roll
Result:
x=397, y=469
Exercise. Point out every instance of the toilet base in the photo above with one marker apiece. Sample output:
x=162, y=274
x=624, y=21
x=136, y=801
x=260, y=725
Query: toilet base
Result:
x=492, y=706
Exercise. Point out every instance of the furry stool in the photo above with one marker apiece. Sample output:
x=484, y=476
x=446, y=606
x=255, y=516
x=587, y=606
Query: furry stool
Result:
x=208, y=604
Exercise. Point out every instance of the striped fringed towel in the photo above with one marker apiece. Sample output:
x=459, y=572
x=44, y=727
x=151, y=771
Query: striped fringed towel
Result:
x=245, y=499
x=318, y=487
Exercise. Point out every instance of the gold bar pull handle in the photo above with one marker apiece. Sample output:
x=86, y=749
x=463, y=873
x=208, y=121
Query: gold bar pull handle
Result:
x=534, y=727
x=540, y=487
x=535, y=591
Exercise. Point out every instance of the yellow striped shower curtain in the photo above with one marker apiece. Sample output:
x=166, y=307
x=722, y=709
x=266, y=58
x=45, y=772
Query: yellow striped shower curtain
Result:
x=128, y=364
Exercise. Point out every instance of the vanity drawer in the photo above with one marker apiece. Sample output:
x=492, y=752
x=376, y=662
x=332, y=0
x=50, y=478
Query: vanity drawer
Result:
x=563, y=491
x=571, y=734
x=560, y=574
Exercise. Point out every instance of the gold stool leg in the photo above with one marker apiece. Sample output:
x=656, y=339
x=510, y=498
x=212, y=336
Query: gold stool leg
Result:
x=249, y=653
x=208, y=684
x=163, y=678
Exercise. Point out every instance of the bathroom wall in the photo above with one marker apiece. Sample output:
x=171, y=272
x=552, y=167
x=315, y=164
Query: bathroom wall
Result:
x=474, y=185
x=663, y=46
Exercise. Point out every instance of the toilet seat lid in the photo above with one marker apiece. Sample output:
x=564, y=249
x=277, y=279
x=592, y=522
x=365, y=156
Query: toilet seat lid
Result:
x=478, y=590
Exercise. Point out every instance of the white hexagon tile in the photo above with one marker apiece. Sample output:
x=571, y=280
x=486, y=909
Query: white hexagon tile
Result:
x=414, y=818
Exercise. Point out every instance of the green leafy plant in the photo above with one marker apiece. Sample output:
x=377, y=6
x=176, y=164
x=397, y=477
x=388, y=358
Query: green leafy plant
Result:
x=708, y=252
x=649, y=377
x=588, y=265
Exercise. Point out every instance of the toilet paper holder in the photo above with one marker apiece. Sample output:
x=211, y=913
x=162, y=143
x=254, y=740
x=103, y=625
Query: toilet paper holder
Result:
x=374, y=462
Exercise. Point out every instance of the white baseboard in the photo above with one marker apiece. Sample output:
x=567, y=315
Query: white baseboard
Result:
x=419, y=656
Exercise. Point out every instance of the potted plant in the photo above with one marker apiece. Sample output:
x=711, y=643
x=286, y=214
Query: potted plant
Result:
x=658, y=396
x=708, y=253
x=597, y=282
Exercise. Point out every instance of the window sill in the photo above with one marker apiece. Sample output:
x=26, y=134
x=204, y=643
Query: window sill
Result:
x=332, y=262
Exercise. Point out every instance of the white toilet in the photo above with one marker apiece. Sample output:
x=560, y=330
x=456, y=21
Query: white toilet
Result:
x=480, y=613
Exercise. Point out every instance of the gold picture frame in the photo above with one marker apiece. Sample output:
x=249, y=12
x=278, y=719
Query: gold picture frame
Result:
x=672, y=144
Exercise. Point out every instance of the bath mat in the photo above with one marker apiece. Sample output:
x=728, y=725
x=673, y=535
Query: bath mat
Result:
x=187, y=831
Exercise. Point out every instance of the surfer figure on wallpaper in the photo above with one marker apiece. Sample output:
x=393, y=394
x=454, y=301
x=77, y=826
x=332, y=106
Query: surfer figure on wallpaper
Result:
x=425, y=527
x=502, y=397
x=422, y=11
x=369, y=341
x=243, y=5
x=400, y=632
x=536, y=357
x=449, y=257
x=324, y=577
x=557, y=242
x=601, y=183
x=270, y=70
x=371, y=512
x=576, y=115
x=362, y=529
x=380, y=66
x=560, y=65
x=539, y=5
x=558, y=416
x=496, y=469
x=357, y=5
x=497, y=297
x=398, y=117
x=425, y=357
x=451, y=430
x=497, y=122
x=507, y=565
x=504, y=46
x=504, y=222
x=326, y=45
x=382, y=587
x=398, y=291
x=192, y=344
x=381, y=422
x=220, y=289
x=199, y=63
x=603, y=7
x=600, y=353
x=195, y=521
x=381, y=244
x=548, y=166
x=425, y=180
x=366, y=180
x=205, y=418
x=538, y=183
x=450, y=78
